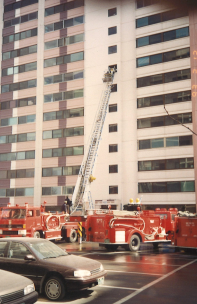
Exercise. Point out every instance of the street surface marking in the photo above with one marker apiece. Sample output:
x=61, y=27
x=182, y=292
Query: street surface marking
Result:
x=144, y=273
x=106, y=286
x=152, y=283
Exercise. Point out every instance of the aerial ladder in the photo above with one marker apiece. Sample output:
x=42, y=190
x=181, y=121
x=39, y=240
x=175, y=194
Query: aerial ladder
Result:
x=81, y=198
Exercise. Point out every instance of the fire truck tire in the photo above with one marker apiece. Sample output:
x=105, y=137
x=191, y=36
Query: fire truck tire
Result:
x=73, y=236
x=134, y=244
x=37, y=234
x=54, y=289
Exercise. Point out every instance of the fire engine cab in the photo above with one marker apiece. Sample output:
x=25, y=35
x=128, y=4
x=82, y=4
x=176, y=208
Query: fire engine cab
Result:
x=35, y=222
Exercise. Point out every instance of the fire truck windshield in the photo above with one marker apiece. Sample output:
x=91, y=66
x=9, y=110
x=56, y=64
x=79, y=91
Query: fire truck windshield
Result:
x=13, y=213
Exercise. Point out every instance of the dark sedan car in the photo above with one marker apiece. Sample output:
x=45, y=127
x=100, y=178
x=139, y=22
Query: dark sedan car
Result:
x=53, y=271
x=15, y=289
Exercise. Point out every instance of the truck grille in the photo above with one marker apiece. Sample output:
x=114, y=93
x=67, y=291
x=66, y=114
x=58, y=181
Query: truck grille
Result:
x=12, y=296
x=95, y=271
x=10, y=232
x=11, y=226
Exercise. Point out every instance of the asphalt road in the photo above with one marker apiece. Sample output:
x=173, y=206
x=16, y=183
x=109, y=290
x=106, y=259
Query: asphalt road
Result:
x=145, y=277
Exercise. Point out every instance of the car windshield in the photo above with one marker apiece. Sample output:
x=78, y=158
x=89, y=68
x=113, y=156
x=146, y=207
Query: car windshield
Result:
x=13, y=213
x=46, y=249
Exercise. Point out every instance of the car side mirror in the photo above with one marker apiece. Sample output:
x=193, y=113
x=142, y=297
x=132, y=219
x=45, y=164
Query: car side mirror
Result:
x=29, y=257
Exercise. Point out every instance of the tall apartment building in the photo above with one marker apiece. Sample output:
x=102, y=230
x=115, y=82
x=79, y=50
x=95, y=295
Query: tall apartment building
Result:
x=54, y=55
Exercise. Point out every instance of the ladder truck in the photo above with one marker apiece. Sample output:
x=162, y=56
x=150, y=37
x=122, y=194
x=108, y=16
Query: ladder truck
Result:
x=82, y=195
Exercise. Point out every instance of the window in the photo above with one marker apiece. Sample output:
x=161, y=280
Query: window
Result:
x=63, y=114
x=19, y=69
x=16, y=192
x=21, y=19
x=63, y=95
x=170, y=15
x=166, y=36
x=17, y=251
x=51, y=191
x=165, y=142
x=163, y=57
x=114, y=88
x=163, y=99
x=15, y=5
x=113, y=148
x=17, y=120
x=64, y=24
x=17, y=138
x=113, y=108
x=113, y=189
x=17, y=155
x=63, y=77
x=64, y=41
x=69, y=151
x=112, y=49
x=113, y=128
x=68, y=190
x=19, y=86
x=63, y=59
x=143, y=3
x=168, y=164
x=2, y=248
x=163, y=187
x=112, y=30
x=77, y=131
x=63, y=7
x=20, y=36
x=164, y=78
x=113, y=168
x=164, y=120
x=112, y=12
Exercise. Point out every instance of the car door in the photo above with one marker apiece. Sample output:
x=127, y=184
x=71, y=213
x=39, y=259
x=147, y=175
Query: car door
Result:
x=16, y=263
x=4, y=244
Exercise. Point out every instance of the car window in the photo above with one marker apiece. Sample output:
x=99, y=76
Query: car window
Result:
x=2, y=248
x=17, y=251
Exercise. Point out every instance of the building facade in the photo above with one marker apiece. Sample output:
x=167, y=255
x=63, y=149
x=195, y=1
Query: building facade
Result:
x=54, y=55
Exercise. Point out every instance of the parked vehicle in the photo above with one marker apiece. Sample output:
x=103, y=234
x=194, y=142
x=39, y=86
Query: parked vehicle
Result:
x=35, y=222
x=16, y=289
x=53, y=271
x=128, y=229
x=185, y=231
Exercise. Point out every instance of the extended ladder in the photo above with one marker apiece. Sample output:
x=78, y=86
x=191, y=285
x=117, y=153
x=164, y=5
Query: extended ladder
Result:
x=82, y=194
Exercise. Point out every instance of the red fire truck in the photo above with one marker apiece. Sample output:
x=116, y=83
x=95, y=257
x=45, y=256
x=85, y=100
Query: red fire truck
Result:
x=130, y=228
x=35, y=222
x=185, y=231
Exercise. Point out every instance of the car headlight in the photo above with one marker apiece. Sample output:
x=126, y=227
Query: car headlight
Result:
x=101, y=267
x=28, y=289
x=82, y=273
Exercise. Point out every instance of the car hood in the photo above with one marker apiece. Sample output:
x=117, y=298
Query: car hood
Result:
x=73, y=262
x=11, y=282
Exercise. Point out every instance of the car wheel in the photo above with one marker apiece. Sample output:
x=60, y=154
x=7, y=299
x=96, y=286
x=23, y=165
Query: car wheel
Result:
x=73, y=236
x=37, y=234
x=134, y=244
x=54, y=289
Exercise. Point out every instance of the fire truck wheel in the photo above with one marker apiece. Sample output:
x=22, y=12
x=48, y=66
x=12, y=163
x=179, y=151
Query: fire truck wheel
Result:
x=37, y=234
x=134, y=244
x=73, y=236
x=54, y=289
